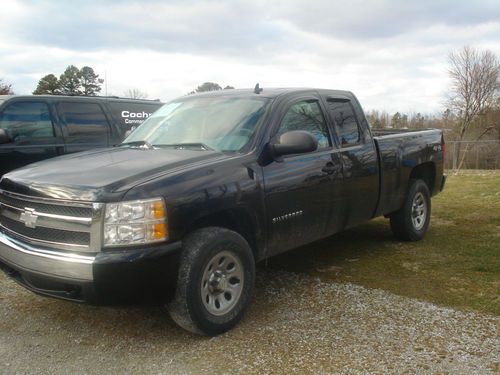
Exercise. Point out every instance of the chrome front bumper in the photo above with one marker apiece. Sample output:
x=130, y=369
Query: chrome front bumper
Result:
x=92, y=278
x=45, y=262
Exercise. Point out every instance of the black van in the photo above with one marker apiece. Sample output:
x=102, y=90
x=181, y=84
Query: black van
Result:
x=34, y=128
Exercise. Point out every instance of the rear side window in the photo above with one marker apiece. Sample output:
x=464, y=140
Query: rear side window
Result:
x=306, y=116
x=84, y=119
x=345, y=122
x=26, y=120
x=132, y=114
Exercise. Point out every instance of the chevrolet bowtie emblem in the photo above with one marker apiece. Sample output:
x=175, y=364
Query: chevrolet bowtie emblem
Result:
x=28, y=217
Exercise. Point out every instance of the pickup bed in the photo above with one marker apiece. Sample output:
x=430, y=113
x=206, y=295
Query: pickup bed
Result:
x=206, y=187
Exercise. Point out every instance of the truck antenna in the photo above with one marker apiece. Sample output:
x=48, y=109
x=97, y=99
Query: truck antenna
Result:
x=257, y=89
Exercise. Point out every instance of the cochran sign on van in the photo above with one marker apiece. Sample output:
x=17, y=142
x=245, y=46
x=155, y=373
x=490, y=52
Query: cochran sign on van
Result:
x=133, y=114
x=135, y=117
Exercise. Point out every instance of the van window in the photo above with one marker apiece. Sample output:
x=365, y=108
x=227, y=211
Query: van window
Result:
x=23, y=120
x=84, y=119
x=306, y=116
x=345, y=122
x=132, y=114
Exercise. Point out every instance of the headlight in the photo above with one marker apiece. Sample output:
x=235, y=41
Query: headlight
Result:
x=135, y=222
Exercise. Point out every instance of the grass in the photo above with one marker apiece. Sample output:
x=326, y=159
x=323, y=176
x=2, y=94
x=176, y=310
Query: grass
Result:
x=456, y=265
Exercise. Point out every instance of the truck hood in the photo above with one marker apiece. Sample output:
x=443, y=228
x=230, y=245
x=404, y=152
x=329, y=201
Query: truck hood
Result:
x=102, y=175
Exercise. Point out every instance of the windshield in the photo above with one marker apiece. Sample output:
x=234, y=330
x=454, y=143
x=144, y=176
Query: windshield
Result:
x=216, y=123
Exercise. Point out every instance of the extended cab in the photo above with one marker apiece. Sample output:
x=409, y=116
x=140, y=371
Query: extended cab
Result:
x=34, y=128
x=202, y=190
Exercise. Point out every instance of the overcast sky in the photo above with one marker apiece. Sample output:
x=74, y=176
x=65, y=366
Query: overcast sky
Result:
x=391, y=54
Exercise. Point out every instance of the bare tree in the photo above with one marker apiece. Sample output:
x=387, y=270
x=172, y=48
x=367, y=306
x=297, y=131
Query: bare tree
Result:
x=5, y=88
x=135, y=93
x=474, y=87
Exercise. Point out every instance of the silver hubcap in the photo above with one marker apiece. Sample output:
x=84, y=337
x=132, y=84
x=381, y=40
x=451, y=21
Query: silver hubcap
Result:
x=222, y=283
x=419, y=211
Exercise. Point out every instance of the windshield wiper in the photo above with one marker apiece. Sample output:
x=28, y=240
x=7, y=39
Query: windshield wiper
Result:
x=183, y=146
x=143, y=144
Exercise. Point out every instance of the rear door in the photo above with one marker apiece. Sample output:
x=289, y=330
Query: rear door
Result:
x=298, y=187
x=30, y=125
x=86, y=125
x=360, y=186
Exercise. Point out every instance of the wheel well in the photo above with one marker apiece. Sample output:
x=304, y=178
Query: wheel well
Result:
x=425, y=172
x=237, y=220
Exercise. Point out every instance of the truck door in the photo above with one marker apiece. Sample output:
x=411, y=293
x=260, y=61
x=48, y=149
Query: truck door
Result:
x=298, y=187
x=32, y=134
x=85, y=125
x=359, y=162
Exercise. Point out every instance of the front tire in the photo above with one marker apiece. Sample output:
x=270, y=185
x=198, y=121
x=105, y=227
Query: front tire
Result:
x=215, y=281
x=411, y=222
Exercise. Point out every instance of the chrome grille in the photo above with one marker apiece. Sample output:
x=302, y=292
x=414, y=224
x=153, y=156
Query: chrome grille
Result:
x=60, y=224
x=47, y=234
x=46, y=208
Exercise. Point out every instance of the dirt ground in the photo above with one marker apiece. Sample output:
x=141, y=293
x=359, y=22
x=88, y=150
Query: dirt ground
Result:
x=297, y=324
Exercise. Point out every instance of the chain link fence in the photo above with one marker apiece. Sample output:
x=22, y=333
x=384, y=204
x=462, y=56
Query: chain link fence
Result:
x=473, y=154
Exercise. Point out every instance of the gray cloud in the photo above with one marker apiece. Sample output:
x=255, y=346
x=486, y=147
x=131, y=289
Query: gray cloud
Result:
x=393, y=53
x=230, y=27
x=182, y=26
x=385, y=19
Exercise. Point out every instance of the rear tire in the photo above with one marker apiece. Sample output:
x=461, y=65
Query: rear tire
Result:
x=411, y=222
x=215, y=281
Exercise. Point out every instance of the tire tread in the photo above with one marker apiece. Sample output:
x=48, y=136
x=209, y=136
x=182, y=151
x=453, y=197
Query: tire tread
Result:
x=401, y=224
x=181, y=307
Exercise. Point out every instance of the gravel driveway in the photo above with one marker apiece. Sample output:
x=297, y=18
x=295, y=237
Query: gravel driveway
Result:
x=297, y=324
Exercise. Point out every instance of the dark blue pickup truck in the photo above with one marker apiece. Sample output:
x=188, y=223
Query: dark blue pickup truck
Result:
x=202, y=190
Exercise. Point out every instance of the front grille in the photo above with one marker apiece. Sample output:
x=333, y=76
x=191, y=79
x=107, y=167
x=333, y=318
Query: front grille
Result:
x=65, y=225
x=62, y=210
x=46, y=234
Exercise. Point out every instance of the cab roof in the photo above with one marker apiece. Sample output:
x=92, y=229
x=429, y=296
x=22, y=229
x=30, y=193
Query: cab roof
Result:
x=270, y=92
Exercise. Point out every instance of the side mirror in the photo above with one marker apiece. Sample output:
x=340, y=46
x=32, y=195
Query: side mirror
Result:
x=294, y=142
x=4, y=137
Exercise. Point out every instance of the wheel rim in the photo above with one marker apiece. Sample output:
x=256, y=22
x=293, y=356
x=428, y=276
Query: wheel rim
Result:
x=222, y=283
x=419, y=211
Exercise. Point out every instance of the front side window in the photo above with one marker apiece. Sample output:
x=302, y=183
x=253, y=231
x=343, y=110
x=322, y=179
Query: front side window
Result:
x=306, y=116
x=218, y=123
x=345, y=122
x=26, y=120
x=84, y=119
